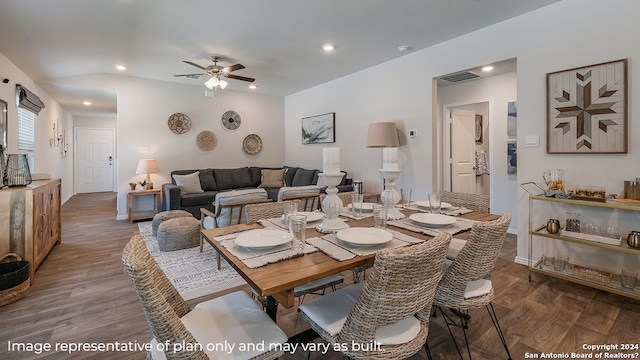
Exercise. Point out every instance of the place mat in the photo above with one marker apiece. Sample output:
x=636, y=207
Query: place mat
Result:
x=452, y=211
x=459, y=226
x=346, y=212
x=255, y=258
x=278, y=223
x=337, y=250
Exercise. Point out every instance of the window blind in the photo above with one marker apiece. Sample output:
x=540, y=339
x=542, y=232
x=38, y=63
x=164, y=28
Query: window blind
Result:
x=26, y=120
x=27, y=100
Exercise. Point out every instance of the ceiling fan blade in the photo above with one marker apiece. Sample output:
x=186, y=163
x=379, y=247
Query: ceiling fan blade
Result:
x=231, y=68
x=190, y=76
x=193, y=64
x=243, y=78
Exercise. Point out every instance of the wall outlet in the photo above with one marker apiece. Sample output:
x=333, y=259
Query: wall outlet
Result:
x=413, y=133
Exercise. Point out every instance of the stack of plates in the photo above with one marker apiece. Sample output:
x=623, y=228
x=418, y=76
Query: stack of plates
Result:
x=425, y=204
x=263, y=238
x=432, y=220
x=364, y=236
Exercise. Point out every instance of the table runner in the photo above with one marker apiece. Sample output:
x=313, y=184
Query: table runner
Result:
x=459, y=226
x=331, y=246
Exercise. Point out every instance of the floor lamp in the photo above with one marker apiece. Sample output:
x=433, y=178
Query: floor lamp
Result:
x=385, y=135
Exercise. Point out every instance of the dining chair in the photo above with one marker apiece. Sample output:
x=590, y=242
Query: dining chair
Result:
x=475, y=202
x=466, y=283
x=309, y=196
x=345, y=196
x=391, y=308
x=233, y=318
x=257, y=212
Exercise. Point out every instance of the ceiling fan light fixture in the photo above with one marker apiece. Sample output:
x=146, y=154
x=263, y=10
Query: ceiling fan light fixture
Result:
x=211, y=83
x=223, y=84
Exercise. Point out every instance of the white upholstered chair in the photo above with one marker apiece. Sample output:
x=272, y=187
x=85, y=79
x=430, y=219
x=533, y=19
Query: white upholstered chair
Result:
x=309, y=196
x=233, y=318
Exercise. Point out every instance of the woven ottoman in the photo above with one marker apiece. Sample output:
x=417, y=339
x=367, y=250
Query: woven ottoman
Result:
x=166, y=215
x=179, y=233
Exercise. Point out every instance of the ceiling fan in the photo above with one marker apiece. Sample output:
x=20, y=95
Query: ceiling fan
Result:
x=215, y=72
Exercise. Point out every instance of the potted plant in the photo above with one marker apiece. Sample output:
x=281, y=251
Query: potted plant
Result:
x=143, y=184
x=133, y=185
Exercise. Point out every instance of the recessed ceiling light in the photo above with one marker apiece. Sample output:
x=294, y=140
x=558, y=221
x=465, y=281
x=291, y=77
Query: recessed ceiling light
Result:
x=487, y=68
x=121, y=67
x=328, y=47
x=252, y=87
x=403, y=48
x=87, y=103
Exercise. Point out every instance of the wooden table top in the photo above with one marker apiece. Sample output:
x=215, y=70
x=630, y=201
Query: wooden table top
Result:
x=279, y=279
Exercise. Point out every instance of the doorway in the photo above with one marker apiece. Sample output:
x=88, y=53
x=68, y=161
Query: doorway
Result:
x=94, y=160
x=466, y=144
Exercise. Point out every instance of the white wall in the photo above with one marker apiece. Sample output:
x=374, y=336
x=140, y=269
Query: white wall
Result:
x=47, y=159
x=144, y=107
x=568, y=34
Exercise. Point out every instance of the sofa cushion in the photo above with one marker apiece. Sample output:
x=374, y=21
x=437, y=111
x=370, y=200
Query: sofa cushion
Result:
x=273, y=178
x=207, y=181
x=232, y=178
x=199, y=199
x=291, y=172
x=188, y=184
x=304, y=177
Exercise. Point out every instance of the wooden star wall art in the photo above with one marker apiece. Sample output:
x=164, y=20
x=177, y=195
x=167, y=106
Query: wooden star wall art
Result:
x=587, y=109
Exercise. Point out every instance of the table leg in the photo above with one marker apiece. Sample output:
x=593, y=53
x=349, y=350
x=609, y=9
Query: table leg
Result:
x=271, y=307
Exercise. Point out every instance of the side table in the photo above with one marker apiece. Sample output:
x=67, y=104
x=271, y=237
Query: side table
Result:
x=147, y=214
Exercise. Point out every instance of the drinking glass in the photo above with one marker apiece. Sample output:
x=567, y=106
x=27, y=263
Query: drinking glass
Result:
x=406, y=197
x=628, y=279
x=548, y=260
x=290, y=208
x=560, y=263
x=356, y=204
x=434, y=203
x=298, y=229
x=380, y=216
x=612, y=232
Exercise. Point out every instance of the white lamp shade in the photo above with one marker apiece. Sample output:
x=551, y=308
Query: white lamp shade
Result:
x=382, y=134
x=147, y=166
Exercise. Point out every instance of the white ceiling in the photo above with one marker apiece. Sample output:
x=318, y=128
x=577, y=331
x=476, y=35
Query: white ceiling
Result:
x=278, y=41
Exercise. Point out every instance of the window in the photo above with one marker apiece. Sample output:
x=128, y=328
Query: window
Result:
x=26, y=120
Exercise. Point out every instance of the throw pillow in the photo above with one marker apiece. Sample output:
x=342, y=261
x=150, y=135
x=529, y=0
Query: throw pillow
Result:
x=189, y=183
x=273, y=178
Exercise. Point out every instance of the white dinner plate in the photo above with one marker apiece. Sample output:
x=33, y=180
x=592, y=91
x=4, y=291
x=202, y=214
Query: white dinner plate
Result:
x=432, y=220
x=425, y=204
x=311, y=215
x=364, y=236
x=263, y=238
x=365, y=206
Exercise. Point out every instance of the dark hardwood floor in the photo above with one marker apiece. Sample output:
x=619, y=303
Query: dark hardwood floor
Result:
x=81, y=294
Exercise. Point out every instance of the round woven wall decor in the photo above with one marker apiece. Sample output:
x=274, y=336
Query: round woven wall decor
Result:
x=252, y=144
x=179, y=123
x=206, y=140
x=231, y=120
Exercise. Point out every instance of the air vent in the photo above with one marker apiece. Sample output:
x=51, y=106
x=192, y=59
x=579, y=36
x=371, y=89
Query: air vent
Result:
x=460, y=76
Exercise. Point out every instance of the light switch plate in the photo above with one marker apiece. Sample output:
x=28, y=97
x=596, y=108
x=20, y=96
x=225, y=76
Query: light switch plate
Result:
x=532, y=141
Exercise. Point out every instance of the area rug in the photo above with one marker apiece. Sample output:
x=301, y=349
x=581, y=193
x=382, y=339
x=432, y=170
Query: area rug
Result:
x=193, y=273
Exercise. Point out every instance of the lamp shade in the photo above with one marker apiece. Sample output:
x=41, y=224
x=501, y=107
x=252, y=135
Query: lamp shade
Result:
x=147, y=166
x=382, y=134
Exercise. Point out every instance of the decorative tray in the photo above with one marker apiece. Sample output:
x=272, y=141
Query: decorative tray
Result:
x=587, y=198
x=593, y=274
x=589, y=237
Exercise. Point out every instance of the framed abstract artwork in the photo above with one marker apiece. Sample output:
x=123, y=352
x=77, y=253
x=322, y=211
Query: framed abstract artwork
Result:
x=478, y=130
x=319, y=129
x=3, y=127
x=587, y=109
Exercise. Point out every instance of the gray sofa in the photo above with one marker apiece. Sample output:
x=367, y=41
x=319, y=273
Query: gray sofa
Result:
x=213, y=181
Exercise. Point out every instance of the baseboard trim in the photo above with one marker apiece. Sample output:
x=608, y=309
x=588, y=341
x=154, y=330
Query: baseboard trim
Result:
x=522, y=261
x=122, y=217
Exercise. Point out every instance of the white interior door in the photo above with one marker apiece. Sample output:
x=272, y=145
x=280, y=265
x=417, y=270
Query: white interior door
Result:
x=463, y=157
x=94, y=160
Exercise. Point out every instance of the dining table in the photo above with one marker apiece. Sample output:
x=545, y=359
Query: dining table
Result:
x=276, y=281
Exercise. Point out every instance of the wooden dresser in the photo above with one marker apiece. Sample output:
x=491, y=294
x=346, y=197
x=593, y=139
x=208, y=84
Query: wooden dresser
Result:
x=30, y=220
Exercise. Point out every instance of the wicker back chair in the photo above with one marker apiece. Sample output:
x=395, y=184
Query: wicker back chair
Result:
x=268, y=210
x=398, y=293
x=475, y=202
x=466, y=283
x=166, y=311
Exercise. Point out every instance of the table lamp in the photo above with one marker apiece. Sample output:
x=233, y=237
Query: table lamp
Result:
x=148, y=166
x=385, y=135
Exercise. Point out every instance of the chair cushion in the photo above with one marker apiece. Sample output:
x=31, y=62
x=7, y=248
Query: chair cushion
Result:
x=297, y=191
x=234, y=319
x=477, y=288
x=318, y=284
x=227, y=216
x=330, y=313
x=189, y=183
x=272, y=178
x=454, y=248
